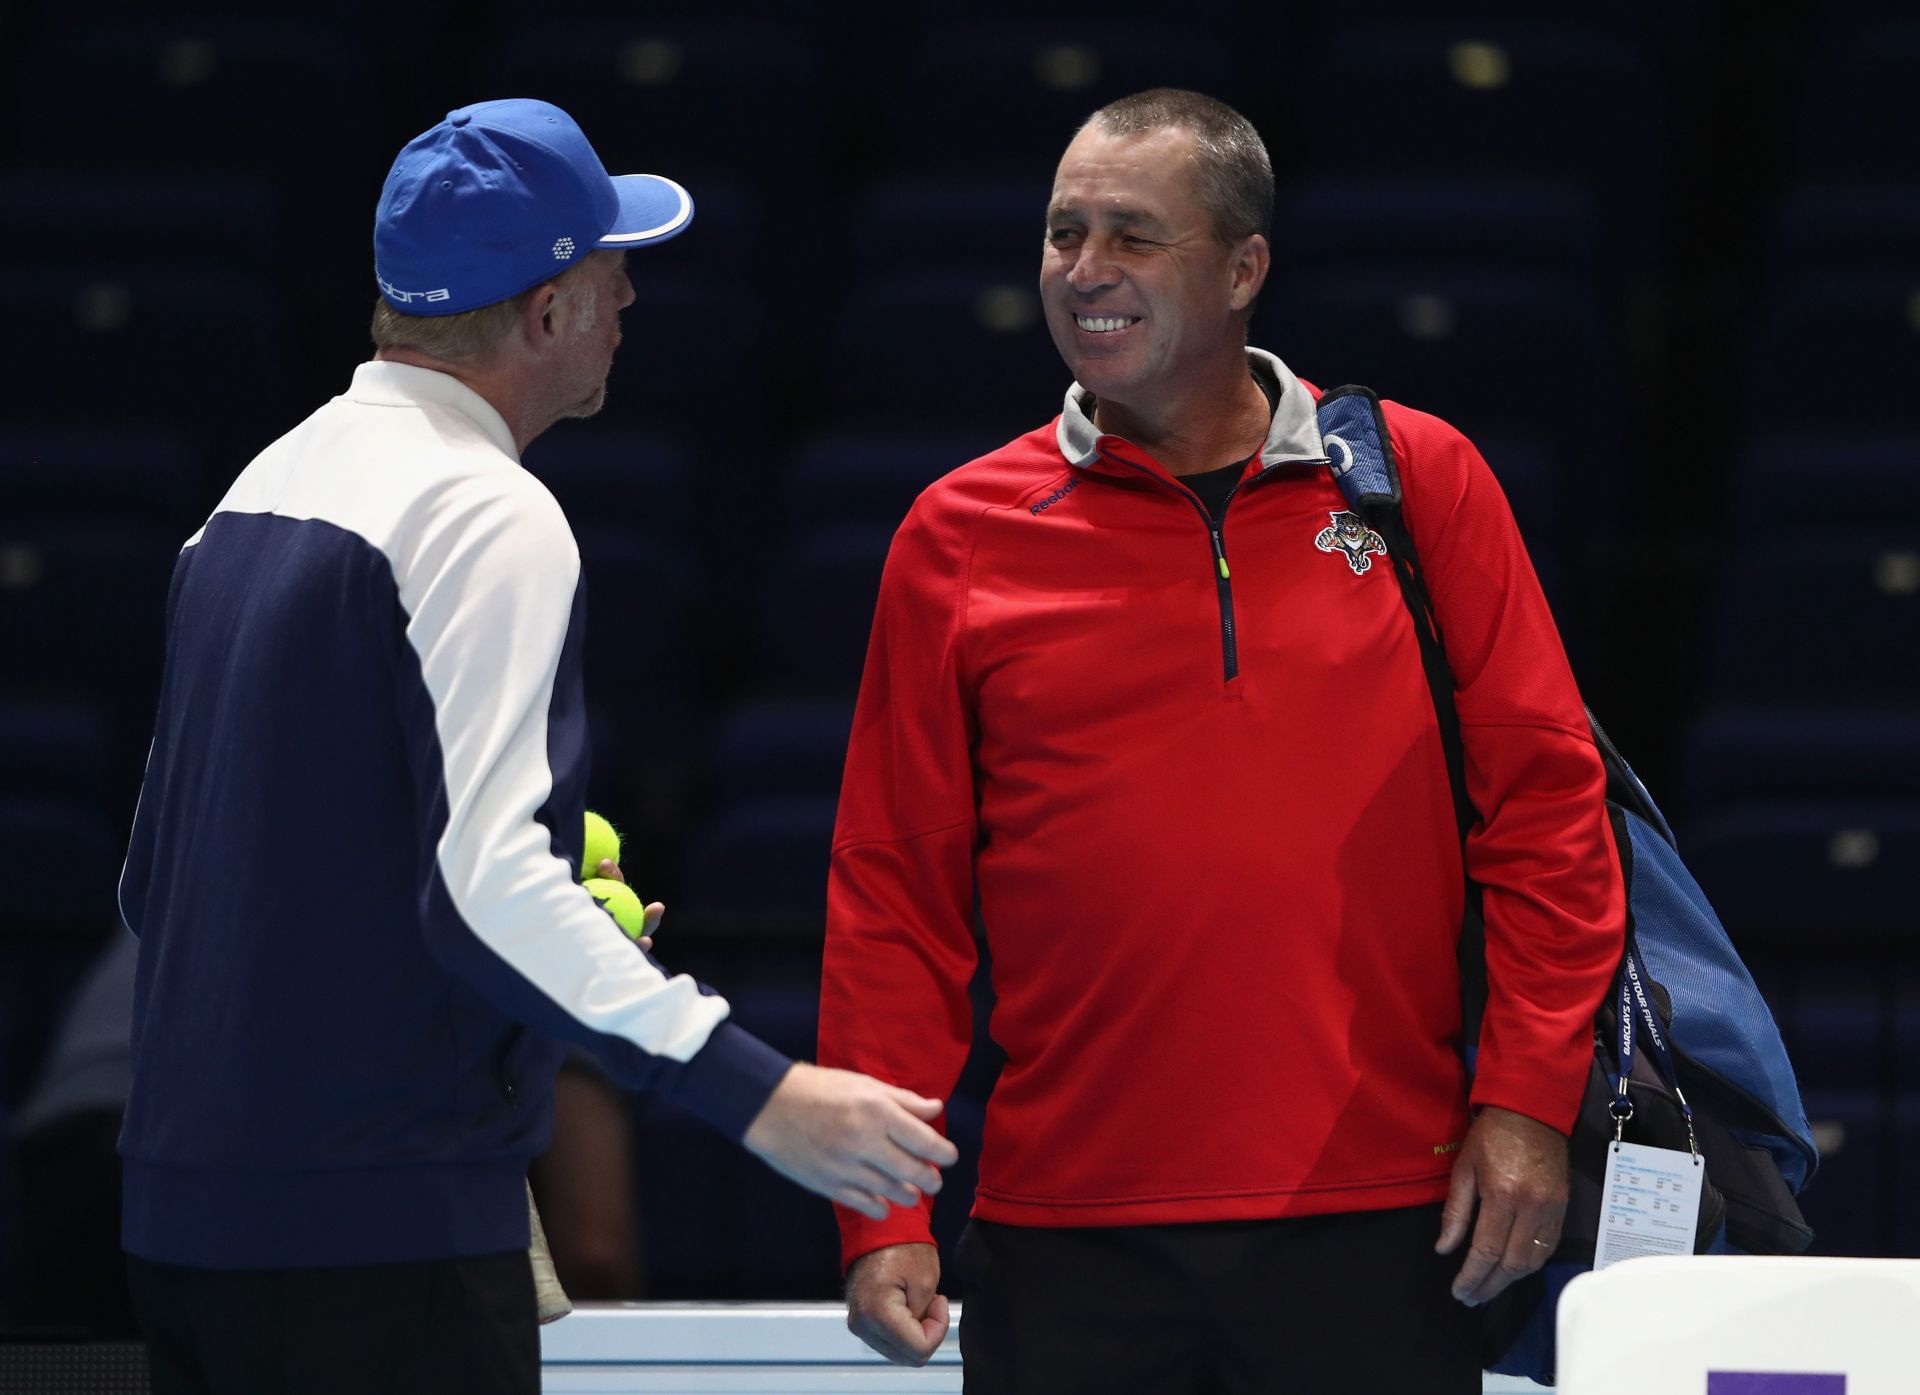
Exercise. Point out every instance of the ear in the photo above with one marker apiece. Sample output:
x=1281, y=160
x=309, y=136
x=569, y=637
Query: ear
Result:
x=1250, y=266
x=536, y=319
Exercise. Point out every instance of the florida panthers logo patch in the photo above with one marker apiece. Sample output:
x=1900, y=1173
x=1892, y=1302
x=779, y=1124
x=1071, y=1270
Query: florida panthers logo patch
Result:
x=1351, y=537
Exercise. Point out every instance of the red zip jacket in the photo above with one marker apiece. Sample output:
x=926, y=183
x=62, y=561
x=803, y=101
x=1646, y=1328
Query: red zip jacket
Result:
x=1197, y=781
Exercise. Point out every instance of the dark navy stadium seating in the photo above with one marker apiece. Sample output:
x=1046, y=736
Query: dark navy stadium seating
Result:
x=779, y=750
x=53, y=853
x=905, y=224
x=201, y=351
x=1527, y=101
x=985, y=97
x=685, y=98
x=86, y=601
x=1749, y=755
x=1858, y=120
x=1430, y=338
x=640, y=596
x=1848, y=1203
x=1775, y=490
x=222, y=95
x=1634, y=19
x=785, y=1015
x=795, y=12
x=656, y=382
x=90, y=473
x=1338, y=222
x=71, y=217
x=1832, y=617
x=1849, y=335
x=871, y=478
x=764, y=862
x=1538, y=490
x=1837, y=1032
x=1210, y=15
x=58, y=750
x=1825, y=873
x=818, y=607
x=1845, y=226
x=979, y=353
x=640, y=479
x=233, y=94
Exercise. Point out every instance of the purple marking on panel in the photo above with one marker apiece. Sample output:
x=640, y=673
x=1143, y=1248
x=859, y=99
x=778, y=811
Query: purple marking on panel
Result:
x=1774, y=1383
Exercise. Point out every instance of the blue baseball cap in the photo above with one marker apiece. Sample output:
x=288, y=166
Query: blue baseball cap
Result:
x=501, y=196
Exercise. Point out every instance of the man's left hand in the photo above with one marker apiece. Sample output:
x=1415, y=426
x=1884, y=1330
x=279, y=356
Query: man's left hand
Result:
x=1516, y=1168
x=610, y=870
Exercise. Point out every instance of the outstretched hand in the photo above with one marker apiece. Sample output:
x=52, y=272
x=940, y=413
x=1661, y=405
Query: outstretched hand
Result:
x=1516, y=1168
x=867, y=1145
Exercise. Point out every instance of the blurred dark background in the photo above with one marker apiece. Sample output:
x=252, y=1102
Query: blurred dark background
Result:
x=1661, y=261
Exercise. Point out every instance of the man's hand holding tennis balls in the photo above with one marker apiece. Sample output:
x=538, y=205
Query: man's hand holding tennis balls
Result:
x=600, y=869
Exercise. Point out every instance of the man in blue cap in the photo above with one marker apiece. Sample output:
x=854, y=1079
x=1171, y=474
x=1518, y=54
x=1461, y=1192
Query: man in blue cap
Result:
x=480, y=217
x=352, y=870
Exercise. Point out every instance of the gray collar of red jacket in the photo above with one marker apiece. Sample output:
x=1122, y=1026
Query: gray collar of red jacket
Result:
x=1293, y=436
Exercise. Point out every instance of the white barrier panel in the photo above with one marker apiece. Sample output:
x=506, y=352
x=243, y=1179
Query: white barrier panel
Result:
x=747, y=1349
x=1743, y=1325
x=800, y=1348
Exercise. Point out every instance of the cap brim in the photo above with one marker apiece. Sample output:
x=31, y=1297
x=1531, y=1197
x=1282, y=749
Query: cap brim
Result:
x=652, y=209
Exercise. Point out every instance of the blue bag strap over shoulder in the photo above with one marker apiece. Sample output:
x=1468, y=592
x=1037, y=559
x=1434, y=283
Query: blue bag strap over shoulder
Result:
x=1354, y=435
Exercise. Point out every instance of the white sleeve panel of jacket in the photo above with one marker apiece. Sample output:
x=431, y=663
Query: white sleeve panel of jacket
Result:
x=487, y=580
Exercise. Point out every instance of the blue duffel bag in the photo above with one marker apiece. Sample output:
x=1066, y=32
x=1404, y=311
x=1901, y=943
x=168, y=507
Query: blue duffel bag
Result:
x=1730, y=1094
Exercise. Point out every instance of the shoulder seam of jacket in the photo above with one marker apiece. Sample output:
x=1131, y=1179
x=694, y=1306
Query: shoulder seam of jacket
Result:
x=965, y=608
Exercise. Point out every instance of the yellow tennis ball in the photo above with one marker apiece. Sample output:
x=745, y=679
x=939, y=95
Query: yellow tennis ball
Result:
x=602, y=842
x=618, y=900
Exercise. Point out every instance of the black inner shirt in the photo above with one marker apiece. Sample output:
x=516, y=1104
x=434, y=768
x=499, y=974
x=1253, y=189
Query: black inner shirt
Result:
x=1213, y=486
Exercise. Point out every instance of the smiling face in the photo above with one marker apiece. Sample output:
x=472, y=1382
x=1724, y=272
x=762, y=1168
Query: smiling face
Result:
x=1141, y=297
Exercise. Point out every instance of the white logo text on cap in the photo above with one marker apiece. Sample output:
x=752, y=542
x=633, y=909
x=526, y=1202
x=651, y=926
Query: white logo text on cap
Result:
x=393, y=292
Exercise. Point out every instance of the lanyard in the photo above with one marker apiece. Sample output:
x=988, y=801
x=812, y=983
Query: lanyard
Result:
x=1636, y=1011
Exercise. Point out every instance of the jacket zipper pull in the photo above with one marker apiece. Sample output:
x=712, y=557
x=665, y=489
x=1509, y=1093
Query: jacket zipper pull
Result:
x=1220, y=555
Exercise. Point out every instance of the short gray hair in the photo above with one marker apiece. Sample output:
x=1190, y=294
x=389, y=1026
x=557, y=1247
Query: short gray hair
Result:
x=1231, y=167
x=472, y=334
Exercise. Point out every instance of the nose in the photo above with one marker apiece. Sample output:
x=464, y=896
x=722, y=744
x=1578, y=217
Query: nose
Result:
x=623, y=289
x=1093, y=269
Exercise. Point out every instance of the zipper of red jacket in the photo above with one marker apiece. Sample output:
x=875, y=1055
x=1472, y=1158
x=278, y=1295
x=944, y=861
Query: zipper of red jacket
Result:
x=1216, y=536
x=1223, y=576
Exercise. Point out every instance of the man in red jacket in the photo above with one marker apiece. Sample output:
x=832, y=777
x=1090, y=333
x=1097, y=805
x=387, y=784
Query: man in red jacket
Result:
x=1183, y=751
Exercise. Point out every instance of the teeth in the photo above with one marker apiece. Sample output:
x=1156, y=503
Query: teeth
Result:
x=1104, y=325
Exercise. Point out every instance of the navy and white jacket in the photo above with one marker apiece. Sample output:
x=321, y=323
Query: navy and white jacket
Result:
x=352, y=866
